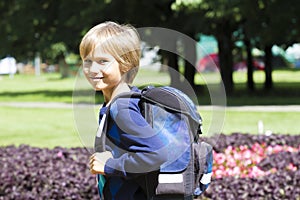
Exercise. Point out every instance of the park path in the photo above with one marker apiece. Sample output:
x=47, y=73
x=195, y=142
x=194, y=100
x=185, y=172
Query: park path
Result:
x=265, y=108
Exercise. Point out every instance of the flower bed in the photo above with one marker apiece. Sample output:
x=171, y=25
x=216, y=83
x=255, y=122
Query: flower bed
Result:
x=40, y=173
x=255, y=167
x=245, y=167
x=255, y=161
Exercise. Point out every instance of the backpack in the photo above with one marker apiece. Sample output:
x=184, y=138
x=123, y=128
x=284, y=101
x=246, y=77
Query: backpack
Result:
x=187, y=173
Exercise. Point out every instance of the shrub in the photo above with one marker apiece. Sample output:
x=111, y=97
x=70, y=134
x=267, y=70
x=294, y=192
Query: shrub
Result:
x=245, y=167
x=40, y=173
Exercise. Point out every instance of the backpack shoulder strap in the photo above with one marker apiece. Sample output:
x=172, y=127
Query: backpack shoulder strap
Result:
x=100, y=139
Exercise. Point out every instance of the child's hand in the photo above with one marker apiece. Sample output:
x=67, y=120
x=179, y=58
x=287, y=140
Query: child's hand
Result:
x=97, y=162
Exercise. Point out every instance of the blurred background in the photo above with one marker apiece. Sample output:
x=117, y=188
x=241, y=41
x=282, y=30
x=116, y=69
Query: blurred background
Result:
x=251, y=47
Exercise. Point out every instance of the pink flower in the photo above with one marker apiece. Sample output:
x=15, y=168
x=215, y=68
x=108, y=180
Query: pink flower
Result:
x=247, y=162
x=236, y=171
x=269, y=150
x=237, y=156
x=256, y=159
x=229, y=172
x=273, y=170
x=292, y=167
x=243, y=148
x=240, y=161
x=231, y=162
x=256, y=172
x=247, y=154
x=60, y=154
x=218, y=173
x=229, y=150
x=219, y=158
x=290, y=149
x=258, y=149
x=277, y=149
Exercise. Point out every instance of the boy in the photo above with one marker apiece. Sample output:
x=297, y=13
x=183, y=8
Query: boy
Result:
x=134, y=152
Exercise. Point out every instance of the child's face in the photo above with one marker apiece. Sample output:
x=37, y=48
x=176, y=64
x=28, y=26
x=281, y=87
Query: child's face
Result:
x=102, y=70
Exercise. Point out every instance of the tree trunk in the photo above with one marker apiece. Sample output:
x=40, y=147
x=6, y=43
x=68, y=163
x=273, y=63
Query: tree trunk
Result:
x=173, y=68
x=250, y=82
x=268, y=67
x=189, y=63
x=63, y=66
x=226, y=61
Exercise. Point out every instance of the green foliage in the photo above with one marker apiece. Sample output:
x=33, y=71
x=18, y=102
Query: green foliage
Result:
x=55, y=28
x=31, y=27
x=56, y=51
x=190, y=4
x=72, y=59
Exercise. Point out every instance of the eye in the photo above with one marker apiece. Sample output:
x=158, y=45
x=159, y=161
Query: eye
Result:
x=87, y=62
x=102, y=61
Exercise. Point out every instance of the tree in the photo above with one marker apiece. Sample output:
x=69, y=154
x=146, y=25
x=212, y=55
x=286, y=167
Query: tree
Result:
x=219, y=18
x=18, y=37
x=250, y=81
x=31, y=27
x=248, y=28
x=157, y=14
x=268, y=23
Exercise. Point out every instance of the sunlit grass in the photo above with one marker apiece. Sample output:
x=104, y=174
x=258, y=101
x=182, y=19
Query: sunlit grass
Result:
x=41, y=127
x=280, y=75
x=51, y=88
x=50, y=127
x=247, y=122
x=44, y=127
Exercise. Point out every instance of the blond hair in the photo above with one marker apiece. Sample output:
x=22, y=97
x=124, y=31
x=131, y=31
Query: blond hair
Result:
x=121, y=41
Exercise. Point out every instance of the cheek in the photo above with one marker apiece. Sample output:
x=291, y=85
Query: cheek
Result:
x=85, y=71
x=113, y=79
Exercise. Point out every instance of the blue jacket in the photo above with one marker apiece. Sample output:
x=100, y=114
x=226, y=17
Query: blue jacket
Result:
x=138, y=152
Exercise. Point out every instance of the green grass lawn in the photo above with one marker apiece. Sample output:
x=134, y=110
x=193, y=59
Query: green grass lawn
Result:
x=44, y=127
x=286, y=89
x=247, y=122
x=38, y=127
x=49, y=87
x=50, y=127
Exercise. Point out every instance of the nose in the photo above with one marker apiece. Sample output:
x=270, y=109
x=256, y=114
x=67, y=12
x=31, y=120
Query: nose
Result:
x=94, y=68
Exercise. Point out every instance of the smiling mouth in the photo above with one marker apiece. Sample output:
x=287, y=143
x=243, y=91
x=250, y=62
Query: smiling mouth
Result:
x=96, y=78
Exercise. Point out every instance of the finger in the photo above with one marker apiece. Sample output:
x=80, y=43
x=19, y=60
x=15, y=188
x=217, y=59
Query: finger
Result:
x=97, y=167
x=92, y=156
x=93, y=171
x=94, y=164
x=91, y=165
x=91, y=161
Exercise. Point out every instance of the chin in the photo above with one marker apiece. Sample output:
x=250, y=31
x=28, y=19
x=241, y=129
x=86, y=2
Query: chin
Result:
x=99, y=87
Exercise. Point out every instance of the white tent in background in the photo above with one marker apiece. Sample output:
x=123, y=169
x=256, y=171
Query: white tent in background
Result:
x=8, y=65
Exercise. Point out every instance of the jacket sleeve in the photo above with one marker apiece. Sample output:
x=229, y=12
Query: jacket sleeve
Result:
x=136, y=147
